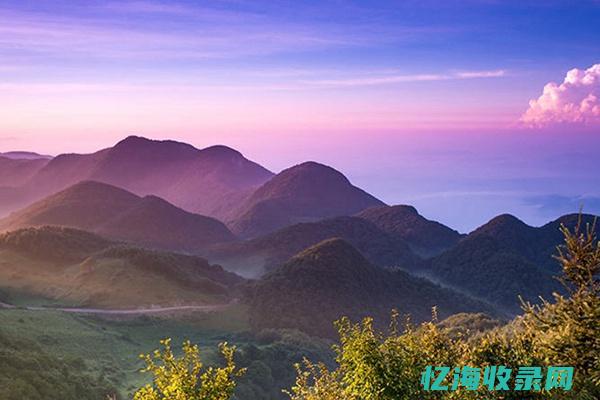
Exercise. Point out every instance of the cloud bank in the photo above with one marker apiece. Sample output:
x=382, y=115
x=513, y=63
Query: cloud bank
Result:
x=575, y=101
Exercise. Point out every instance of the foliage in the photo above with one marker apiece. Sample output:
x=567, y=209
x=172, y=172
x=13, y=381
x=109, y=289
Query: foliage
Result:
x=186, y=378
x=569, y=329
x=29, y=372
x=375, y=366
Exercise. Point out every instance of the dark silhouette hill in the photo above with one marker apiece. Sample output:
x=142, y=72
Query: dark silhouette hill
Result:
x=503, y=259
x=251, y=258
x=75, y=267
x=304, y=193
x=332, y=279
x=426, y=238
x=119, y=214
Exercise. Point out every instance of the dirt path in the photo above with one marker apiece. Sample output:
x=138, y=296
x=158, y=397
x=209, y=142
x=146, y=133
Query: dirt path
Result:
x=134, y=311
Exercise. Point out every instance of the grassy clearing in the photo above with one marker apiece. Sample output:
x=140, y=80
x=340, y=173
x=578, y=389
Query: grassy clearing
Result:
x=110, y=348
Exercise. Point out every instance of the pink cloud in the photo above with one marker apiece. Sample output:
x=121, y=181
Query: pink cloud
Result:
x=576, y=100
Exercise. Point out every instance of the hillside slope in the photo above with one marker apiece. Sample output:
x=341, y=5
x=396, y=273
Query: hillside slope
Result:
x=304, y=193
x=331, y=280
x=504, y=259
x=254, y=257
x=119, y=214
x=17, y=171
x=74, y=267
x=425, y=237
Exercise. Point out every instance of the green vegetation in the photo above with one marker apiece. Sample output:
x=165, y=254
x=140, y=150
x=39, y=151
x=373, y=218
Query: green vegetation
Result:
x=29, y=372
x=376, y=366
x=73, y=267
x=332, y=279
x=101, y=350
x=186, y=378
x=55, y=355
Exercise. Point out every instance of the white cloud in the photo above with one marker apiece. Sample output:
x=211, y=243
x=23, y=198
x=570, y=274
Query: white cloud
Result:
x=482, y=74
x=575, y=100
x=392, y=79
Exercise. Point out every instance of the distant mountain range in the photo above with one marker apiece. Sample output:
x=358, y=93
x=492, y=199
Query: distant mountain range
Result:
x=209, y=181
x=24, y=155
x=119, y=214
x=503, y=259
x=290, y=232
x=73, y=267
x=216, y=181
x=16, y=172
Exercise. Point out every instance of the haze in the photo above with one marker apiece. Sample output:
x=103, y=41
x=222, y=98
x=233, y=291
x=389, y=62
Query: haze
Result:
x=465, y=109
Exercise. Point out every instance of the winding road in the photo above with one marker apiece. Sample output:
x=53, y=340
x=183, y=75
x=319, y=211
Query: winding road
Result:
x=133, y=311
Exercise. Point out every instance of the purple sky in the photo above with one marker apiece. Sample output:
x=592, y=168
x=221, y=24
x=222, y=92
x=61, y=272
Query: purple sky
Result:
x=462, y=108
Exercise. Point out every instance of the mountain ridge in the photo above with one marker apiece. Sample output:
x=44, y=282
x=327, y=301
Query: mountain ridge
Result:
x=119, y=214
x=70, y=266
x=254, y=257
x=194, y=179
x=427, y=238
x=332, y=279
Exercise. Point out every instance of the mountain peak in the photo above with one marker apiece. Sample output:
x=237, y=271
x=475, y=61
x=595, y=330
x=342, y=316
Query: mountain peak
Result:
x=89, y=191
x=426, y=238
x=571, y=220
x=334, y=249
x=313, y=167
x=503, y=223
x=133, y=139
x=405, y=208
x=221, y=150
x=140, y=143
x=303, y=193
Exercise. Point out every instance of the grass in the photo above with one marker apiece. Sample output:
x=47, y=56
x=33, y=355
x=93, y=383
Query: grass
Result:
x=110, y=348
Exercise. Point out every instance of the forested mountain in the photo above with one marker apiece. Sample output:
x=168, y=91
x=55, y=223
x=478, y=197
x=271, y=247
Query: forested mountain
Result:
x=332, y=279
x=75, y=267
x=425, y=237
x=504, y=259
x=256, y=256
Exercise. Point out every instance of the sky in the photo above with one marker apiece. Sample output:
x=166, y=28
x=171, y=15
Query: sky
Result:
x=465, y=109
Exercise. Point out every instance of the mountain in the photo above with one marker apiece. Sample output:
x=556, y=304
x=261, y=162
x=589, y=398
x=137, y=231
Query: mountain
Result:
x=304, y=193
x=119, y=214
x=426, y=238
x=24, y=155
x=206, y=181
x=503, y=259
x=332, y=279
x=252, y=258
x=78, y=268
x=15, y=171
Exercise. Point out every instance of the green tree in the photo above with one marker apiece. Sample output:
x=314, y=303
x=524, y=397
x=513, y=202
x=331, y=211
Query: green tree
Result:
x=186, y=377
x=567, y=332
